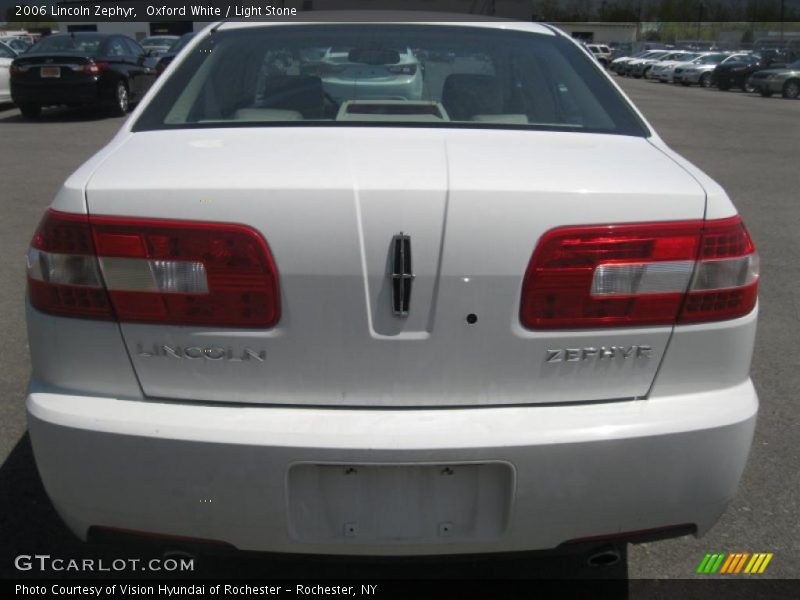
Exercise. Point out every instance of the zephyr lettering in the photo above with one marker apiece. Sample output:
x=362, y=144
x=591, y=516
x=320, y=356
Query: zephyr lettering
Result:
x=603, y=353
x=214, y=353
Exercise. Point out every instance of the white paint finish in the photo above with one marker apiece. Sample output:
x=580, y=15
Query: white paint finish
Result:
x=707, y=357
x=329, y=200
x=5, y=84
x=718, y=204
x=79, y=356
x=574, y=465
x=423, y=429
x=72, y=195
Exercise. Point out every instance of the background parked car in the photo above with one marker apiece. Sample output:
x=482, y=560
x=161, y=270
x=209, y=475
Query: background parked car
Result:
x=81, y=69
x=356, y=73
x=18, y=43
x=165, y=59
x=618, y=64
x=157, y=45
x=785, y=81
x=601, y=52
x=701, y=70
x=735, y=73
x=636, y=67
x=6, y=56
x=662, y=70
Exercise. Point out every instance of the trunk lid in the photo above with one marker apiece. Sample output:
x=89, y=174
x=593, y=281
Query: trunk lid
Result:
x=329, y=201
x=52, y=68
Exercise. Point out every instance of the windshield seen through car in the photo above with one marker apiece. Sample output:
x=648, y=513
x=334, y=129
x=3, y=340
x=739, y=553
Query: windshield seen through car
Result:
x=88, y=44
x=389, y=74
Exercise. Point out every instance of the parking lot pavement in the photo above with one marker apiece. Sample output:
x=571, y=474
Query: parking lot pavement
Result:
x=747, y=143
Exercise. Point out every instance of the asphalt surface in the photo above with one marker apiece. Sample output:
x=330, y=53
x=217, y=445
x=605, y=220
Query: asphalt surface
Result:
x=747, y=143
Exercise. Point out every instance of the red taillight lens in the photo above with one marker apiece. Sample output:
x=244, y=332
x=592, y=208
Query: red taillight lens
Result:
x=725, y=282
x=176, y=272
x=160, y=66
x=14, y=70
x=639, y=274
x=95, y=68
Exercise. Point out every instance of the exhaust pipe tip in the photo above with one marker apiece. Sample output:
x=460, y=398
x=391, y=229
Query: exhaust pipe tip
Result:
x=177, y=554
x=605, y=557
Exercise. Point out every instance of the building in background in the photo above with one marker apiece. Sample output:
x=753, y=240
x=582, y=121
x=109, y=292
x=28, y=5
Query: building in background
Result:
x=603, y=33
x=136, y=30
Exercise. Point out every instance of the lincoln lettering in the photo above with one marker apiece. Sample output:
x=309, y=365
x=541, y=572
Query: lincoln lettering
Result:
x=597, y=353
x=201, y=352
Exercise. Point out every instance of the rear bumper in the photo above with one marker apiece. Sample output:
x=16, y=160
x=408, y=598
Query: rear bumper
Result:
x=730, y=79
x=558, y=473
x=771, y=85
x=407, y=88
x=688, y=77
x=50, y=93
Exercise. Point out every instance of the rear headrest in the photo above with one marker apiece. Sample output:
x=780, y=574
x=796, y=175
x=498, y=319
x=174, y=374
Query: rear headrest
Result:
x=302, y=93
x=267, y=114
x=466, y=95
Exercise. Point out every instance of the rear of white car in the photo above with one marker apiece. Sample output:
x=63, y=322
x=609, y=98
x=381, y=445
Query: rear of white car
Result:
x=346, y=79
x=444, y=328
x=7, y=55
x=663, y=70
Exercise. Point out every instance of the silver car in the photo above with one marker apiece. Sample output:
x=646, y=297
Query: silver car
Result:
x=638, y=68
x=785, y=81
x=700, y=70
x=663, y=70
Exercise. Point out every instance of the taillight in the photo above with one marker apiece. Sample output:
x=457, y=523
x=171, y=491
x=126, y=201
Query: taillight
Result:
x=63, y=275
x=95, y=68
x=725, y=282
x=403, y=69
x=14, y=70
x=157, y=271
x=640, y=274
x=160, y=66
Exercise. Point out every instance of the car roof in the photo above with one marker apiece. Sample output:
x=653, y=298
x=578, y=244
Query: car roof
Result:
x=400, y=17
x=82, y=34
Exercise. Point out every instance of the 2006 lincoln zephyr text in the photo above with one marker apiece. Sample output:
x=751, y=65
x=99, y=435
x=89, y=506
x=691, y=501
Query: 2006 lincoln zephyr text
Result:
x=416, y=314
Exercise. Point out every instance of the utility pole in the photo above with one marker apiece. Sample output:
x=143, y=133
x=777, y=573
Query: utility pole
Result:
x=782, y=6
x=699, y=19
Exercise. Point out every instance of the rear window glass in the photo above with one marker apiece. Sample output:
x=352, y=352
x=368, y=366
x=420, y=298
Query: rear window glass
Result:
x=88, y=44
x=158, y=41
x=401, y=75
x=710, y=59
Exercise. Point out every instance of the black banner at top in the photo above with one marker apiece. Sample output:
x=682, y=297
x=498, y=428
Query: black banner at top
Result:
x=630, y=11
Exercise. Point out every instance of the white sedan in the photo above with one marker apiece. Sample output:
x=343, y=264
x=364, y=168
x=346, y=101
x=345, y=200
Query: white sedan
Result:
x=663, y=70
x=7, y=55
x=355, y=73
x=391, y=326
